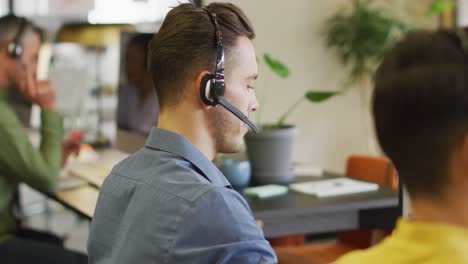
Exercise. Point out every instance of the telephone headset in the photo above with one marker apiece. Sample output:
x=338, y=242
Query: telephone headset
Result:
x=212, y=85
x=15, y=49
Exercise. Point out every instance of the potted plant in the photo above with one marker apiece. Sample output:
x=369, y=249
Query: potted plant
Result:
x=361, y=38
x=270, y=149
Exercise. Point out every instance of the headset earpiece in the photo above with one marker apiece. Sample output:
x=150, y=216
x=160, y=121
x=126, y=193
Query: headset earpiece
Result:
x=211, y=89
x=15, y=49
x=205, y=90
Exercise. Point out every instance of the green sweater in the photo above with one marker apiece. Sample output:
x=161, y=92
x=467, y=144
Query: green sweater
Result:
x=20, y=161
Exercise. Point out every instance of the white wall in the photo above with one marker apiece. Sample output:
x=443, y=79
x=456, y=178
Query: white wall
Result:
x=462, y=18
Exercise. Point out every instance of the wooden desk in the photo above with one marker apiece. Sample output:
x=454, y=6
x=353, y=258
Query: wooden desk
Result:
x=291, y=214
x=81, y=200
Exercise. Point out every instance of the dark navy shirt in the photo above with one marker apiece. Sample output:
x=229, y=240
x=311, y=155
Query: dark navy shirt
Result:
x=168, y=203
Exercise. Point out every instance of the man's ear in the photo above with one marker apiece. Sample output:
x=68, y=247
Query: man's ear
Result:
x=198, y=86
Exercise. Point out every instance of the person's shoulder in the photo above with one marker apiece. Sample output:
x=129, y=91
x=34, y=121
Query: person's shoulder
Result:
x=223, y=218
x=384, y=252
x=223, y=195
x=356, y=256
x=223, y=203
x=148, y=161
x=161, y=172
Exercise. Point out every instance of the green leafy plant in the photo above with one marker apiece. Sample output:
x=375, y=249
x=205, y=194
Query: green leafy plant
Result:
x=440, y=6
x=443, y=11
x=282, y=71
x=361, y=37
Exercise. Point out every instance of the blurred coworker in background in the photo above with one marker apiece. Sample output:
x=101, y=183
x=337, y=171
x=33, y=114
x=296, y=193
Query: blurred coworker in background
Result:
x=20, y=41
x=420, y=111
x=137, y=109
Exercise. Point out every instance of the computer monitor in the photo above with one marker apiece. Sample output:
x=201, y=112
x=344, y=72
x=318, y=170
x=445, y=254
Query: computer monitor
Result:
x=137, y=106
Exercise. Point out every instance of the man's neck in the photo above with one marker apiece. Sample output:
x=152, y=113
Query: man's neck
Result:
x=450, y=210
x=191, y=126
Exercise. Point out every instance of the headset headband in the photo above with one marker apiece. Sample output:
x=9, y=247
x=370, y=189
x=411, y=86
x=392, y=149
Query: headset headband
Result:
x=219, y=68
x=15, y=49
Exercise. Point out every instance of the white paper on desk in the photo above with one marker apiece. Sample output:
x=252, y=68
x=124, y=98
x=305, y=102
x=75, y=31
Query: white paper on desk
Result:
x=68, y=183
x=333, y=187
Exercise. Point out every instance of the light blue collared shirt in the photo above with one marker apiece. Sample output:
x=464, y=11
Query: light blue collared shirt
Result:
x=168, y=203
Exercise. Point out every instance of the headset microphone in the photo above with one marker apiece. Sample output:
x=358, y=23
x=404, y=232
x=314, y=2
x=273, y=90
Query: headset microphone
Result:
x=212, y=85
x=223, y=102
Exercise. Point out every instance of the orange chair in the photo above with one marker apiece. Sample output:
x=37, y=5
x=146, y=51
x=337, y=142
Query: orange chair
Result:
x=367, y=168
x=296, y=240
x=372, y=169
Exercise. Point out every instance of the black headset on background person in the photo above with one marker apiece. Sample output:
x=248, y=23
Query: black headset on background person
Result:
x=15, y=49
x=212, y=84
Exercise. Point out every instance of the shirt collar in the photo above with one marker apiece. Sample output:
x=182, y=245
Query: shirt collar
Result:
x=174, y=143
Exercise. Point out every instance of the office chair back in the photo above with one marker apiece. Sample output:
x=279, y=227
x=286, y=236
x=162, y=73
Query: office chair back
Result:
x=372, y=169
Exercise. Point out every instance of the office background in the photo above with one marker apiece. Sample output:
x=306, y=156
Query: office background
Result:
x=292, y=32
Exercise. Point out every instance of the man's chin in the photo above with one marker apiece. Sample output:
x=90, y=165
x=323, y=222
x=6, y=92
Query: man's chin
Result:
x=234, y=148
x=230, y=151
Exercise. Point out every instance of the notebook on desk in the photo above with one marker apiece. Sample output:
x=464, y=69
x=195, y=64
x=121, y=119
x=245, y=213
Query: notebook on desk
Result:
x=334, y=187
x=96, y=171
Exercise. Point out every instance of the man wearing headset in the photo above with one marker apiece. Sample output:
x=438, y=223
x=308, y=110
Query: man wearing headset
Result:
x=20, y=42
x=168, y=203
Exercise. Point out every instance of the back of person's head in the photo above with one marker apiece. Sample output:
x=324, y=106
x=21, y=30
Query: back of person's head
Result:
x=18, y=46
x=185, y=46
x=420, y=108
x=10, y=26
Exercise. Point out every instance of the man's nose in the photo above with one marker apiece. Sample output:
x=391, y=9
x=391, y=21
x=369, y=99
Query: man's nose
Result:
x=254, y=104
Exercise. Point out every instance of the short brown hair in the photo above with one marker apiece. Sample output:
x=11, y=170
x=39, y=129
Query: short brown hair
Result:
x=420, y=108
x=186, y=45
x=10, y=24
